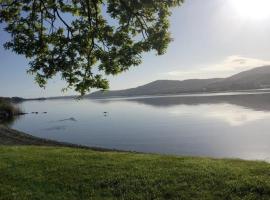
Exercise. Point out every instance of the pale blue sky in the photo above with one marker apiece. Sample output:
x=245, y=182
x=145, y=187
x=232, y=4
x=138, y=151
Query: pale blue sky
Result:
x=212, y=38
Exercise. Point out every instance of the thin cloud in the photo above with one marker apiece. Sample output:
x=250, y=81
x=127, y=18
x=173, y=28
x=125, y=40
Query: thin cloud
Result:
x=231, y=65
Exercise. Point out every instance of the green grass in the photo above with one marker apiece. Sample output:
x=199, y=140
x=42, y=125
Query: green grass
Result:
x=63, y=173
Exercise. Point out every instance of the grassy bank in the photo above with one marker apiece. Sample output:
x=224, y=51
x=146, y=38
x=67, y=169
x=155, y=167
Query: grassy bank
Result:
x=66, y=173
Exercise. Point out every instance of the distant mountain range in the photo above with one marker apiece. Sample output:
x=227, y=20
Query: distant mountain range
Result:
x=257, y=78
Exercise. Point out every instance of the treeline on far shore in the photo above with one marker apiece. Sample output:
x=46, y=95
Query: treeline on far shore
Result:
x=12, y=99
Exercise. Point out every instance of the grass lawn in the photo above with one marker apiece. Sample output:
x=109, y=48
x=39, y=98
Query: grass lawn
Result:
x=52, y=173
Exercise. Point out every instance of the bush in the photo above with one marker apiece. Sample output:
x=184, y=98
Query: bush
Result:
x=7, y=109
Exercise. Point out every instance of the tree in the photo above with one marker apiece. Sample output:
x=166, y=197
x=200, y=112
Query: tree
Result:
x=85, y=40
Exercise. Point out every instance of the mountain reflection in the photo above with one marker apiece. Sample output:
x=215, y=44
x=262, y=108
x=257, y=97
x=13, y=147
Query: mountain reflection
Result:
x=236, y=110
x=258, y=102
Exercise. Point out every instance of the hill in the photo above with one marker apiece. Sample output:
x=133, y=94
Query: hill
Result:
x=256, y=78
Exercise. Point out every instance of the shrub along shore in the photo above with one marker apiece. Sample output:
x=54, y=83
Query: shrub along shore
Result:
x=7, y=109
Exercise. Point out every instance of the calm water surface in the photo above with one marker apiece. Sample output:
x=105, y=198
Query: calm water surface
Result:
x=217, y=126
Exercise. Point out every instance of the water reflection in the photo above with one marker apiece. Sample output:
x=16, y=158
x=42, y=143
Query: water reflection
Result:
x=252, y=101
x=9, y=121
x=219, y=126
x=231, y=114
x=234, y=109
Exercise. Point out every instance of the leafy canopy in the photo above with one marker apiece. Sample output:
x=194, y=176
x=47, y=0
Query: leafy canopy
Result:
x=85, y=40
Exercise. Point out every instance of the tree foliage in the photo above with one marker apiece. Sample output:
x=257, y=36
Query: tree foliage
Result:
x=85, y=40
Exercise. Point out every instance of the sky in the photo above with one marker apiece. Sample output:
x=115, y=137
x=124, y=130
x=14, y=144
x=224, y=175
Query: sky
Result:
x=212, y=38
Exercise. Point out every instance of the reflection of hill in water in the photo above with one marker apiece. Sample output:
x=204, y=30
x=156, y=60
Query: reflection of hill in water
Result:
x=259, y=102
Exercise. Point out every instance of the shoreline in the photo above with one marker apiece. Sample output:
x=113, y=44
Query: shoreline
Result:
x=11, y=137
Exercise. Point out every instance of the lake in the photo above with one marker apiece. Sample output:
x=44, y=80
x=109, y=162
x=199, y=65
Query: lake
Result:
x=220, y=125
